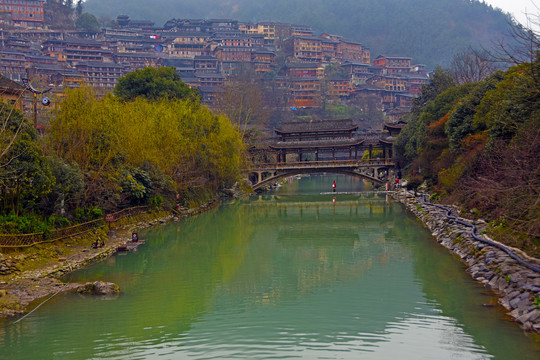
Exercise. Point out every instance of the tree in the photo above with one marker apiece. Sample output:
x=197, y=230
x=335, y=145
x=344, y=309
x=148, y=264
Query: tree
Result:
x=84, y=132
x=58, y=15
x=460, y=123
x=67, y=193
x=242, y=99
x=440, y=81
x=130, y=152
x=413, y=184
x=522, y=47
x=506, y=182
x=470, y=66
x=335, y=70
x=24, y=172
x=79, y=8
x=369, y=107
x=12, y=123
x=154, y=84
x=87, y=22
x=511, y=103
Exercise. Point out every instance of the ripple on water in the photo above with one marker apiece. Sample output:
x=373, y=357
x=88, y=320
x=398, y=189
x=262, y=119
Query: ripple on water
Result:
x=301, y=278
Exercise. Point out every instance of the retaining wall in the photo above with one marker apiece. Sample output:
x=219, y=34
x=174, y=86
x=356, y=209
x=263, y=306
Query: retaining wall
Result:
x=517, y=286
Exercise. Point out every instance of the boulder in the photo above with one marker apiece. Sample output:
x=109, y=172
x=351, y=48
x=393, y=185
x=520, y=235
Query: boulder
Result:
x=98, y=288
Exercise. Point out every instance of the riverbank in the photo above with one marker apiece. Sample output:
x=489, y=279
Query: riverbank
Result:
x=517, y=286
x=29, y=276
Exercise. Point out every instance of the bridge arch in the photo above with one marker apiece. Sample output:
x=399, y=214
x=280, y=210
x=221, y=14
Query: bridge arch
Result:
x=281, y=174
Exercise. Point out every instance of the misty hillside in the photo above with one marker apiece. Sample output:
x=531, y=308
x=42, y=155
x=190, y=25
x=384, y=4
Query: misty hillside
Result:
x=430, y=31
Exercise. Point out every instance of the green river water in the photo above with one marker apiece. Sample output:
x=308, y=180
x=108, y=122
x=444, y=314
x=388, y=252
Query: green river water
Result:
x=288, y=274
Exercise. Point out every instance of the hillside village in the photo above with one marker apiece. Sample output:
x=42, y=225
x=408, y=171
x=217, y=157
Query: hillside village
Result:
x=205, y=53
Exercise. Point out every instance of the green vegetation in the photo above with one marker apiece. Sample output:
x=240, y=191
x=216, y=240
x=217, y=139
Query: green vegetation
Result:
x=478, y=145
x=153, y=84
x=102, y=155
x=87, y=22
x=414, y=183
x=25, y=173
x=430, y=31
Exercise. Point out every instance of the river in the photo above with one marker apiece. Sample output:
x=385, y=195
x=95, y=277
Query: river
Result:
x=289, y=274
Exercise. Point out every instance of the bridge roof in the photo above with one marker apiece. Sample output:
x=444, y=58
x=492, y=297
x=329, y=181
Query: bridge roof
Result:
x=313, y=144
x=397, y=125
x=317, y=125
x=388, y=140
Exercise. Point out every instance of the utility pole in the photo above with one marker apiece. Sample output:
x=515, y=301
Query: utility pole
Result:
x=35, y=93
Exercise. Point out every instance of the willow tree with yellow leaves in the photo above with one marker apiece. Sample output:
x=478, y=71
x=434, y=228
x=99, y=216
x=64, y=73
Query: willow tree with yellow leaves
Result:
x=143, y=150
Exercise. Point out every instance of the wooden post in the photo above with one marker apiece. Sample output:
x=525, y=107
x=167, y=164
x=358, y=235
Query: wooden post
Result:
x=109, y=218
x=35, y=110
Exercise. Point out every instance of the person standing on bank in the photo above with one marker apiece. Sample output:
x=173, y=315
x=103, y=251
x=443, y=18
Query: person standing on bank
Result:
x=334, y=186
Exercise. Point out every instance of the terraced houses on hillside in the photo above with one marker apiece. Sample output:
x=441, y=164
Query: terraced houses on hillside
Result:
x=205, y=52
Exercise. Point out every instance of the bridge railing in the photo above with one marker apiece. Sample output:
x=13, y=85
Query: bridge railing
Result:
x=322, y=164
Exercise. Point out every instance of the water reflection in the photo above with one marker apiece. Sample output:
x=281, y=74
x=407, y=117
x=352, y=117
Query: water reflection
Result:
x=283, y=275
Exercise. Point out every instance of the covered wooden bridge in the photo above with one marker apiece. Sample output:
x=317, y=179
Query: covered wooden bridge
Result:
x=332, y=146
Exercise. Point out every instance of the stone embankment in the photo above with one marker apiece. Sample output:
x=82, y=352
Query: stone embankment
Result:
x=517, y=286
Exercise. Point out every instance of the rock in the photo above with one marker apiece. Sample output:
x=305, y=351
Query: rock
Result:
x=493, y=282
x=502, y=284
x=477, y=275
x=520, y=302
x=529, y=317
x=98, y=288
x=513, y=294
x=489, y=275
x=531, y=288
x=515, y=313
x=504, y=302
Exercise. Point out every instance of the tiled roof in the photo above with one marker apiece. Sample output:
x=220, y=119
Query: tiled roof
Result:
x=8, y=84
x=324, y=125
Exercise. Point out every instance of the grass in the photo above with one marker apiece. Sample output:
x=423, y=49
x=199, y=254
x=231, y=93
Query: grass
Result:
x=43, y=255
